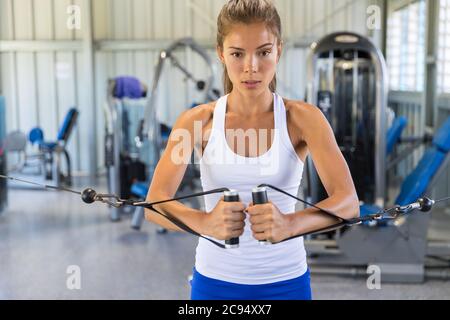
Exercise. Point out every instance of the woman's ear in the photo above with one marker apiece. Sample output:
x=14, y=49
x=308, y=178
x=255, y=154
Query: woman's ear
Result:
x=279, y=50
x=220, y=54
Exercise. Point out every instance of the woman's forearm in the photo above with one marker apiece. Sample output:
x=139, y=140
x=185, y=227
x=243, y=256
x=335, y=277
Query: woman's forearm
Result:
x=191, y=217
x=310, y=219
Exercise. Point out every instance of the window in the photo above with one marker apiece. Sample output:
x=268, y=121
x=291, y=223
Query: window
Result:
x=406, y=47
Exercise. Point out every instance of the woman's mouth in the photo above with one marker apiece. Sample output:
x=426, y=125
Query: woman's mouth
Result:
x=250, y=84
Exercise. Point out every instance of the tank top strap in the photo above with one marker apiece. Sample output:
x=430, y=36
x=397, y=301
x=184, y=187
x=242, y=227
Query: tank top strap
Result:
x=280, y=115
x=219, y=114
x=282, y=126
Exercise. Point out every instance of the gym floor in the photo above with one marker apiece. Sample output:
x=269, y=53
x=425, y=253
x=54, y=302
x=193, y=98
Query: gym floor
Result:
x=42, y=233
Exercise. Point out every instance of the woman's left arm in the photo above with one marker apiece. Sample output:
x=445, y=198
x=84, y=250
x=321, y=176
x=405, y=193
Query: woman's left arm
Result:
x=333, y=172
x=268, y=223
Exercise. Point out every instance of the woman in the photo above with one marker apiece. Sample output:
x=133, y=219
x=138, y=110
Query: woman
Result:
x=249, y=45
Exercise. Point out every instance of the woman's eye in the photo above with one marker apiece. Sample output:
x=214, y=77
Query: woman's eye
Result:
x=236, y=54
x=265, y=53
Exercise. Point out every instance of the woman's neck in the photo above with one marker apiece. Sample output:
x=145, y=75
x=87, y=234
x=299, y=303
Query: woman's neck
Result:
x=250, y=106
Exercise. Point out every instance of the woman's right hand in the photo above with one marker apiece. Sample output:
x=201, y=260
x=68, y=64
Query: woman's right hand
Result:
x=225, y=221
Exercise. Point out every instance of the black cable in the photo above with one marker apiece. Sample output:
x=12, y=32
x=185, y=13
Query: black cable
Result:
x=442, y=200
x=439, y=259
x=41, y=185
x=184, y=227
x=175, y=220
x=93, y=196
x=89, y=196
x=331, y=214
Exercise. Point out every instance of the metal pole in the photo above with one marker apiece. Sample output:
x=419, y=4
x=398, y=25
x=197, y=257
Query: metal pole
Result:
x=88, y=112
x=430, y=79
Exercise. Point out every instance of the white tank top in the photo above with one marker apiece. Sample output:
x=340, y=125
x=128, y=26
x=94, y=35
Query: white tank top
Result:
x=221, y=167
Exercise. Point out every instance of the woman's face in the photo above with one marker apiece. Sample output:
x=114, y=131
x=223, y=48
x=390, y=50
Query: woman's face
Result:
x=250, y=53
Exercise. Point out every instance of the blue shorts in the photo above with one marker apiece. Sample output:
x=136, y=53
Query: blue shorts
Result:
x=204, y=288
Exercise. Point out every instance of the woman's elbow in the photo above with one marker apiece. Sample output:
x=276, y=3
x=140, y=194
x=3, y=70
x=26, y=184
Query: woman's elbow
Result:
x=155, y=217
x=160, y=221
x=350, y=206
x=150, y=216
x=354, y=209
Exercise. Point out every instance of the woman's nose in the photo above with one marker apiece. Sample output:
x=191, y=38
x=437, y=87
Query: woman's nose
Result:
x=251, y=65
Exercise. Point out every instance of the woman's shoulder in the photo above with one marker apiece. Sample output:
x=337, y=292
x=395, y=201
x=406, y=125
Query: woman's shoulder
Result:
x=302, y=112
x=202, y=112
x=205, y=110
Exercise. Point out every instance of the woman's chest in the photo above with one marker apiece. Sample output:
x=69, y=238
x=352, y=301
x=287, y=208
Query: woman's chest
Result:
x=253, y=137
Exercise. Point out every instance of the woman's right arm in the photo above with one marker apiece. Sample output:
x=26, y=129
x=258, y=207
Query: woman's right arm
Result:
x=169, y=173
x=227, y=218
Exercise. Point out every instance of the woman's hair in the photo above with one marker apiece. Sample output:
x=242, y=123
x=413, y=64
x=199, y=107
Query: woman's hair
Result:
x=247, y=12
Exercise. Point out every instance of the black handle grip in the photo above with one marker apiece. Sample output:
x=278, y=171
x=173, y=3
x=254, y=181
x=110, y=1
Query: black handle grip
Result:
x=259, y=196
x=231, y=196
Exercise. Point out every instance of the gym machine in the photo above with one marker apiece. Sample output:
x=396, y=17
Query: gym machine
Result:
x=347, y=80
x=135, y=138
x=151, y=133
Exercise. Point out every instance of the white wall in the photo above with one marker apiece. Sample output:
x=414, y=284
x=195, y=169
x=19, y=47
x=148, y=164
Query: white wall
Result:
x=44, y=78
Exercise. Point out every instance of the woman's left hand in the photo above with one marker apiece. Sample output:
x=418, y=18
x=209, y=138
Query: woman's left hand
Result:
x=268, y=223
